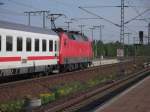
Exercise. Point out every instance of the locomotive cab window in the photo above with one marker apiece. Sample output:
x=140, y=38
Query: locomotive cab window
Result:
x=19, y=43
x=28, y=44
x=0, y=42
x=43, y=45
x=36, y=44
x=9, y=43
x=50, y=45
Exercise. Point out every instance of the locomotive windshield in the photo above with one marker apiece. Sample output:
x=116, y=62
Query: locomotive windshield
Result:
x=78, y=37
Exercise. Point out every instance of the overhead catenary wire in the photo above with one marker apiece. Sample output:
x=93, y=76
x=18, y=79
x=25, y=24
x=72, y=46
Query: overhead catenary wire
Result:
x=103, y=6
x=107, y=20
x=43, y=12
x=147, y=10
x=85, y=18
x=135, y=9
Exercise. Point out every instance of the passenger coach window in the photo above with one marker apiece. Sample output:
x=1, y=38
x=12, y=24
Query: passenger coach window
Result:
x=9, y=43
x=19, y=43
x=43, y=45
x=50, y=45
x=36, y=44
x=28, y=44
x=55, y=45
x=0, y=42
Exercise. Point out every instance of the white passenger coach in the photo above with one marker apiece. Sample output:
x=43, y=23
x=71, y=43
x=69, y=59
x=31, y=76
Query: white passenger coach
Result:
x=26, y=49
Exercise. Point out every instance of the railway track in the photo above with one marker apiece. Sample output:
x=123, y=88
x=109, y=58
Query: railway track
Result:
x=14, y=78
x=19, y=89
x=52, y=76
x=13, y=91
x=88, y=101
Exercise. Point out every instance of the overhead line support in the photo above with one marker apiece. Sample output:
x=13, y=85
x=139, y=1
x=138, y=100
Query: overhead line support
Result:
x=43, y=12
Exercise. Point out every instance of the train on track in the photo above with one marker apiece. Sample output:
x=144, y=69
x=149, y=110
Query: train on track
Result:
x=27, y=49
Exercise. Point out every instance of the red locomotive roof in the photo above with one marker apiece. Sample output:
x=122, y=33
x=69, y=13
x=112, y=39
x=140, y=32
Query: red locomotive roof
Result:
x=74, y=35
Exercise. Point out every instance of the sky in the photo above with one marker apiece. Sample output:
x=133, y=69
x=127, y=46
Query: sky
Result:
x=13, y=11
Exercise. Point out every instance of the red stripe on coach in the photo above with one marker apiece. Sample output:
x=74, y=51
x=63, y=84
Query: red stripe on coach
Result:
x=41, y=57
x=7, y=59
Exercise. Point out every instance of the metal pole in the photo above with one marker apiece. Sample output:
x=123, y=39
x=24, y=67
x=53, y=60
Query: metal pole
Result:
x=92, y=39
x=100, y=31
x=101, y=26
x=68, y=24
x=81, y=26
x=149, y=34
x=128, y=35
x=122, y=24
x=134, y=48
x=100, y=35
x=29, y=19
x=37, y=12
x=121, y=67
x=92, y=34
x=128, y=45
x=44, y=19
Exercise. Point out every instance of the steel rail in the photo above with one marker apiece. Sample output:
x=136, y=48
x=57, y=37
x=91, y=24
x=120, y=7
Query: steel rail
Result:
x=92, y=95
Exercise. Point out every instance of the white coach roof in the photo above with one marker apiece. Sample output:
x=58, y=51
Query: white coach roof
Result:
x=21, y=27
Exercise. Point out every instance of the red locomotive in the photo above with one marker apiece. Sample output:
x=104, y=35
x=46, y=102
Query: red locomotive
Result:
x=75, y=51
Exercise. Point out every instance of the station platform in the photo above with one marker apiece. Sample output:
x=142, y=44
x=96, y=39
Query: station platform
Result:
x=104, y=62
x=134, y=99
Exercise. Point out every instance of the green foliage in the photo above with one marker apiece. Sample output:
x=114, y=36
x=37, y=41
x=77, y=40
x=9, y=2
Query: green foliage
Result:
x=47, y=98
x=110, y=49
x=100, y=79
x=68, y=89
x=63, y=91
x=58, y=92
x=93, y=82
x=13, y=106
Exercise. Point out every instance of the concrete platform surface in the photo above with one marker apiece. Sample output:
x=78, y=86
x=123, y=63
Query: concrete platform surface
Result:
x=135, y=99
x=104, y=62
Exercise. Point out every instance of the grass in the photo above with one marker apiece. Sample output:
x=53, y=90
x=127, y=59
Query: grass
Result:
x=12, y=106
x=58, y=92
x=47, y=98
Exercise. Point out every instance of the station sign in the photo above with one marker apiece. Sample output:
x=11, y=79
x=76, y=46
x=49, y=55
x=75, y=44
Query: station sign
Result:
x=120, y=53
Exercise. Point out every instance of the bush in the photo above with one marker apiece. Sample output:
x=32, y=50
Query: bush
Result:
x=93, y=82
x=13, y=106
x=47, y=98
x=69, y=88
x=100, y=79
x=63, y=91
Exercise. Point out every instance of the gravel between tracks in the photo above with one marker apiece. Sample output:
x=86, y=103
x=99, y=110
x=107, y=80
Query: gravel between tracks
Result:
x=34, y=87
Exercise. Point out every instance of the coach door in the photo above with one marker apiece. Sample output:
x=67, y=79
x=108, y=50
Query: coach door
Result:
x=0, y=43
